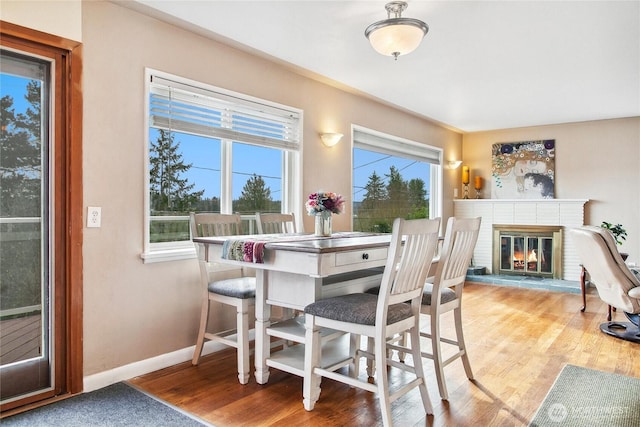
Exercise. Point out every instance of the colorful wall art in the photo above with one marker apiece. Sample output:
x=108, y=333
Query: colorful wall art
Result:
x=523, y=170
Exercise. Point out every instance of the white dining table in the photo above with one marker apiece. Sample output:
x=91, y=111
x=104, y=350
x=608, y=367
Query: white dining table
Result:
x=297, y=270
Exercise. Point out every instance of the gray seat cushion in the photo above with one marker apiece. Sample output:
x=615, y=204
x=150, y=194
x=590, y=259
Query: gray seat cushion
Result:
x=356, y=308
x=241, y=287
x=446, y=295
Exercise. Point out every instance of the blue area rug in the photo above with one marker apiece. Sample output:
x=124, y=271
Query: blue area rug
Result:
x=113, y=406
x=582, y=397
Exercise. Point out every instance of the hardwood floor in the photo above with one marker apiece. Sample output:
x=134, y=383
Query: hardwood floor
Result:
x=518, y=340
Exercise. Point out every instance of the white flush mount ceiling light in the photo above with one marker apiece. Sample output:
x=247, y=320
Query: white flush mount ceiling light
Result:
x=395, y=35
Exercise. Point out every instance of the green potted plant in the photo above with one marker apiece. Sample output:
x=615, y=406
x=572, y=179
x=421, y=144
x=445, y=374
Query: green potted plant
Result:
x=619, y=234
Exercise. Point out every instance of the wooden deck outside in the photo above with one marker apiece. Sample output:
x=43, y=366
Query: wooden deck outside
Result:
x=20, y=338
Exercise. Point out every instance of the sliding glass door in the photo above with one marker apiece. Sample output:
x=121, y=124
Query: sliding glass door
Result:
x=40, y=217
x=26, y=291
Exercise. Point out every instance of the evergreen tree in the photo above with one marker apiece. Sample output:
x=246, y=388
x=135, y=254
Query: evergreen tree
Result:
x=209, y=204
x=375, y=190
x=383, y=203
x=370, y=214
x=20, y=169
x=417, y=193
x=397, y=204
x=418, y=199
x=20, y=196
x=32, y=119
x=169, y=191
x=396, y=186
x=255, y=197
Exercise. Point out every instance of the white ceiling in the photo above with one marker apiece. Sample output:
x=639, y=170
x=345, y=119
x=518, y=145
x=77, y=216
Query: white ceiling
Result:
x=483, y=64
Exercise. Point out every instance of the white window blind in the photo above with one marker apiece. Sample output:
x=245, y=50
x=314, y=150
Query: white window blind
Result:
x=396, y=147
x=199, y=111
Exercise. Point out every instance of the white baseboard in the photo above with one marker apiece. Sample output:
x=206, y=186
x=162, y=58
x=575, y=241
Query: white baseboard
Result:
x=126, y=372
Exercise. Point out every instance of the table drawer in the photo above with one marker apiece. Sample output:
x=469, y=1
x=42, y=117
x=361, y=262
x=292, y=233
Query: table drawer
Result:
x=361, y=256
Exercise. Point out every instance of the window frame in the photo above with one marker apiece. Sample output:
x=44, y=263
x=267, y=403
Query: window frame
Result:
x=401, y=147
x=291, y=169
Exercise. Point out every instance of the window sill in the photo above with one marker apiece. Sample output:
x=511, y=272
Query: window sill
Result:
x=168, y=255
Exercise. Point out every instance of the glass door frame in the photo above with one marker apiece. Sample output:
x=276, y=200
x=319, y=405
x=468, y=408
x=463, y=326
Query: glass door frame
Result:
x=66, y=211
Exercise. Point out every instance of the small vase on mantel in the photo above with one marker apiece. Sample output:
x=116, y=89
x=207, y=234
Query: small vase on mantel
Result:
x=323, y=224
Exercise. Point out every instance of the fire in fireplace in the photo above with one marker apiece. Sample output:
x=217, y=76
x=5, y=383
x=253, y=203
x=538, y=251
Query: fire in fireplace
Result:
x=527, y=250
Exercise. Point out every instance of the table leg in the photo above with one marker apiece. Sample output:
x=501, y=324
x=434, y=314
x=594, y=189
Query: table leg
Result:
x=263, y=314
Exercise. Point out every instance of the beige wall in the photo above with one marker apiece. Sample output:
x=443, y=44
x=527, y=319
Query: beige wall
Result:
x=59, y=17
x=597, y=160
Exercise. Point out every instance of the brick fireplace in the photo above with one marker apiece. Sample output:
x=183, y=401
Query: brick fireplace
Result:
x=560, y=214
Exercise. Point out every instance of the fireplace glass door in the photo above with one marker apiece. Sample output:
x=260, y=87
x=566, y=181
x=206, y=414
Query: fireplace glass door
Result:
x=527, y=250
x=526, y=254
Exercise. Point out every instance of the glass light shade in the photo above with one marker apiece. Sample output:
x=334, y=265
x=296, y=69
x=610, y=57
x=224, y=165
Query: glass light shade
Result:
x=330, y=139
x=396, y=36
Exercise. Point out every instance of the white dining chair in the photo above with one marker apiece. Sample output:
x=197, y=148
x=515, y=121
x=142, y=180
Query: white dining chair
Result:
x=395, y=310
x=229, y=285
x=445, y=294
x=275, y=223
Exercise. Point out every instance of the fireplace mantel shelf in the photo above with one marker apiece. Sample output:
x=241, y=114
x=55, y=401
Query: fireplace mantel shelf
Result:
x=521, y=200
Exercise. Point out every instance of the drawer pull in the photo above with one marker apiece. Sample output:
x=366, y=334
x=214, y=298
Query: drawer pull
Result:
x=366, y=256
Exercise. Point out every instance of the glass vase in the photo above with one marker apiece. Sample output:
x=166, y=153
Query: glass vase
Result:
x=323, y=224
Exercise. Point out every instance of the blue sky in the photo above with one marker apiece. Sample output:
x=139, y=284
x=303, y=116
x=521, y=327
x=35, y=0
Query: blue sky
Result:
x=16, y=87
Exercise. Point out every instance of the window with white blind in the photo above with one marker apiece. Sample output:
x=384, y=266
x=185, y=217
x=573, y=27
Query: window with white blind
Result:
x=213, y=150
x=393, y=177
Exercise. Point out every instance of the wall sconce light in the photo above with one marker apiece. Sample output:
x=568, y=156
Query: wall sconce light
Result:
x=330, y=139
x=454, y=164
